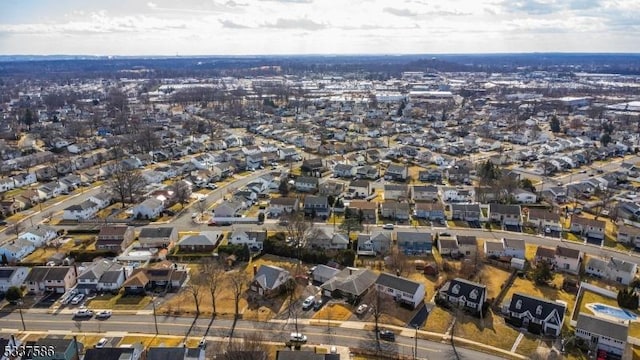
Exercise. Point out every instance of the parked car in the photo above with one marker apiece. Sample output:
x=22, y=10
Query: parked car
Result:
x=83, y=313
x=388, y=226
x=101, y=343
x=298, y=338
x=387, y=335
x=212, y=186
x=308, y=303
x=317, y=305
x=77, y=299
x=104, y=314
x=362, y=309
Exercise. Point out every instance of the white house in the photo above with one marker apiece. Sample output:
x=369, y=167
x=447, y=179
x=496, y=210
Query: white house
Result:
x=253, y=239
x=612, y=269
x=524, y=197
x=514, y=248
x=17, y=250
x=401, y=289
x=493, y=248
x=567, y=259
x=457, y=194
x=12, y=276
x=39, y=235
x=102, y=199
x=148, y=209
x=603, y=334
x=82, y=211
x=281, y=205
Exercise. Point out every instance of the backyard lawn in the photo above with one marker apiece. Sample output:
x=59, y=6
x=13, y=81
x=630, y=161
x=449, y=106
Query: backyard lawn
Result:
x=490, y=331
x=493, y=278
x=528, y=287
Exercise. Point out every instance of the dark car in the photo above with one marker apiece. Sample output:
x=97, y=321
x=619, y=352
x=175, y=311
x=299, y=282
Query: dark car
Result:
x=317, y=305
x=387, y=335
x=3, y=223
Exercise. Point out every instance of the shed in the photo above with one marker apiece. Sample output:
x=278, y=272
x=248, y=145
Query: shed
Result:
x=517, y=263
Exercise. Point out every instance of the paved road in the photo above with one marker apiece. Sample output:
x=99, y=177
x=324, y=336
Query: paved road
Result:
x=221, y=328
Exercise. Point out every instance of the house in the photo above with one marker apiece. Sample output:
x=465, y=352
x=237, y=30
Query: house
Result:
x=468, y=246
x=545, y=254
x=100, y=275
x=253, y=239
x=316, y=206
x=402, y=290
x=324, y=239
x=64, y=349
x=149, y=209
x=13, y=206
x=607, y=337
x=544, y=219
x=132, y=352
x=567, y=259
x=424, y=193
x=359, y=189
x=17, y=250
x=350, y=283
x=465, y=294
x=514, y=248
x=458, y=174
x=322, y=273
x=414, y=243
x=369, y=210
x=57, y=279
x=590, y=228
x=465, y=212
x=312, y=167
x=268, y=280
x=432, y=176
x=430, y=211
x=115, y=237
x=177, y=353
x=12, y=276
x=448, y=245
x=557, y=194
x=396, y=192
x=285, y=205
x=505, y=215
x=612, y=269
x=537, y=315
x=628, y=234
x=230, y=208
x=522, y=196
x=39, y=235
x=373, y=244
x=344, y=170
x=206, y=242
x=82, y=211
x=368, y=172
x=159, y=237
x=395, y=210
x=298, y=355
x=457, y=194
x=307, y=184
x=493, y=249
x=397, y=172
x=162, y=277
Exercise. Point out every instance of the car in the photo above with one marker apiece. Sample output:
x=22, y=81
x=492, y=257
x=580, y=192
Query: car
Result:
x=308, y=303
x=212, y=186
x=387, y=335
x=77, y=299
x=83, y=313
x=559, y=183
x=317, y=305
x=599, y=171
x=297, y=338
x=202, y=199
x=362, y=309
x=3, y=223
x=388, y=226
x=203, y=343
x=104, y=314
x=194, y=215
x=333, y=350
x=101, y=343
x=583, y=171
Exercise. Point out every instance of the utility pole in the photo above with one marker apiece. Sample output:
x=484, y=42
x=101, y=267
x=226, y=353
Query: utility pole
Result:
x=155, y=319
x=415, y=345
x=75, y=345
x=24, y=328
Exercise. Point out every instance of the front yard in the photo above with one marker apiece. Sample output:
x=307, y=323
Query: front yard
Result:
x=119, y=302
x=491, y=330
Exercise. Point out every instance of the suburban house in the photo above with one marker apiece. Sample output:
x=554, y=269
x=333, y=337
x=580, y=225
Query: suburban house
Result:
x=396, y=192
x=505, y=215
x=414, y=243
x=317, y=206
x=433, y=211
x=322, y=273
x=465, y=212
x=82, y=211
x=397, y=172
x=402, y=290
x=326, y=239
x=612, y=269
x=373, y=244
x=149, y=209
x=253, y=239
x=306, y=184
x=350, y=283
x=465, y=294
x=567, y=260
x=544, y=219
x=344, y=170
x=545, y=254
x=467, y=246
x=369, y=210
x=63, y=349
x=493, y=248
x=395, y=210
x=160, y=278
x=12, y=276
x=177, y=353
x=205, y=242
x=590, y=228
x=514, y=248
x=115, y=237
x=427, y=193
x=132, y=352
x=359, y=189
x=16, y=250
x=230, y=208
x=368, y=172
x=39, y=235
x=57, y=279
x=448, y=245
x=100, y=275
x=283, y=205
x=628, y=234
x=268, y=280
x=160, y=237
x=537, y=315
x=457, y=194
x=606, y=337
x=522, y=196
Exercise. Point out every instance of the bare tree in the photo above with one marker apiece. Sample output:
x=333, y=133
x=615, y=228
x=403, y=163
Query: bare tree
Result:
x=195, y=288
x=299, y=229
x=397, y=261
x=201, y=206
x=249, y=347
x=126, y=184
x=213, y=276
x=378, y=302
x=17, y=228
x=181, y=192
x=605, y=197
x=237, y=281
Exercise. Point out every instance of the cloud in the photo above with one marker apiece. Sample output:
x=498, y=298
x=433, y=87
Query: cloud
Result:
x=152, y=5
x=304, y=24
x=400, y=12
x=292, y=1
x=232, y=25
x=531, y=7
x=584, y=4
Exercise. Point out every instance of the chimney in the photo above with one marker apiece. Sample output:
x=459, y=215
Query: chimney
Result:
x=255, y=270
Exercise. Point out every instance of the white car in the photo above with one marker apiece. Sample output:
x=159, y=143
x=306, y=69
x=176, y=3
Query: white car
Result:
x=362, y=309
x=308, y=302
x=83, y=313
x=298, y=337
x=101, y=343
x=387, y=226
x=104, y=314
x=77, y=299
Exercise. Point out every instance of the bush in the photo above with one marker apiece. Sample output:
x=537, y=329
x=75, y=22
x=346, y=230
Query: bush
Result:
x=90, y=255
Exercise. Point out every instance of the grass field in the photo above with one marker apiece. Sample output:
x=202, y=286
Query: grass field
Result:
x=333, y=312
x=494, y=278
x=438, y=320
x=490, y=331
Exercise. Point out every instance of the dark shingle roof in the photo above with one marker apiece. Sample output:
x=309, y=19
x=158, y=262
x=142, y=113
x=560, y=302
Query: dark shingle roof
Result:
x=600, y=326
x=465, y=288
x=532, y=304
x=467, y=240
x=159, y=232
x=398, y=283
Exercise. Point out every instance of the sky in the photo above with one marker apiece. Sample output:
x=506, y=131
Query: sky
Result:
x=250, y=27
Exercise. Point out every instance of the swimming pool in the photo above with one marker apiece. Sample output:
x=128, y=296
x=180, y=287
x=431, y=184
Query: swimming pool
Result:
x=612, y=311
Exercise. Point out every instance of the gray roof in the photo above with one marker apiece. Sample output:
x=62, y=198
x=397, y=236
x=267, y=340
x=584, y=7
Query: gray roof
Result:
x=494, y=245
x=351, y=281
x=205, y=238
x=110, y=276
x=518, y=244
x=87, y=204
x=448, y=243
x=566, y=252
x=504, y=209
x=166, y=353
x=467, y=240
x=7, y=272
x=315, y=200
x=465, y=288
x=596, y=263
x=325, y=271
x=267, y=275
x=621, y=265
x=398, y=283
x=411, y=236
x=600, y=326
x=159, y=232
